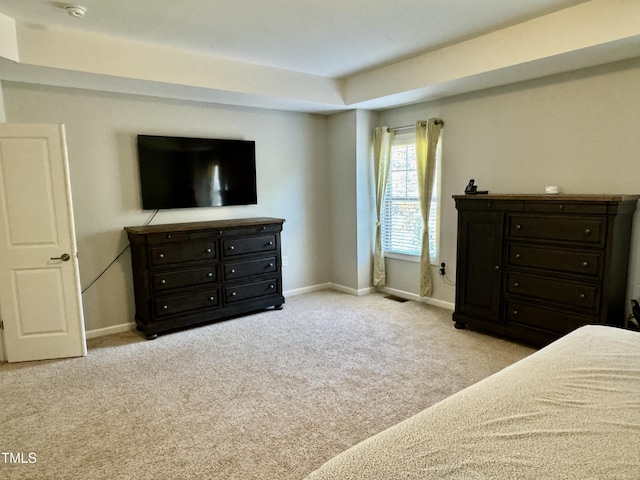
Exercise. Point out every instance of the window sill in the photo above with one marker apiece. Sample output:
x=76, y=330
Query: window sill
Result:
x=402, y=256
x=406, y=257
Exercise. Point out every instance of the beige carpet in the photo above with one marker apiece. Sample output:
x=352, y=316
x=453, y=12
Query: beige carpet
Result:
x=269, y=396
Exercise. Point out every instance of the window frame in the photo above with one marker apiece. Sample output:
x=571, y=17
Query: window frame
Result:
x=410, y=139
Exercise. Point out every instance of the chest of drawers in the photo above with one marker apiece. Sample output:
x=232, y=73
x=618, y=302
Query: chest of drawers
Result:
x=191, y=273
x=535, y=267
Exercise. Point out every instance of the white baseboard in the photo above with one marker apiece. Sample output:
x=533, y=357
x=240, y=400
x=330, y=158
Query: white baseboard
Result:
x=366, y=291
x=101, y=332
x=351, y=291
x=126, y=327
x=313, y=288
x=440, y=303
x=417, y=298
x=329, y=286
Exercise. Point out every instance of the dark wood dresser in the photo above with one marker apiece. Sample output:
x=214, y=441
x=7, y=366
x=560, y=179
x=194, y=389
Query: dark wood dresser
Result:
x=191, y=273
x=534, y=267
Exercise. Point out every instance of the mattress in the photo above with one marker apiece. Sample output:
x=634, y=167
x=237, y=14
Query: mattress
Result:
x=568, y=411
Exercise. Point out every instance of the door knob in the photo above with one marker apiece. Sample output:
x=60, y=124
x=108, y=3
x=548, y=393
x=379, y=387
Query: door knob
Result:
x=65, y=257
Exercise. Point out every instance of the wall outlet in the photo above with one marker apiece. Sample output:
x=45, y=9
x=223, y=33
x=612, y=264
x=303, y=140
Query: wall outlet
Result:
x=442, y=270
x=285, y=261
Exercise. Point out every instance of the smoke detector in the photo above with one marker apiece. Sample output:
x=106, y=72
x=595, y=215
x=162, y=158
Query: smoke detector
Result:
x=77, y=11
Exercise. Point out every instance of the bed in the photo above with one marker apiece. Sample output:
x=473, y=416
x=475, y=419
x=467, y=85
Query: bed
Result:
x=568, y=411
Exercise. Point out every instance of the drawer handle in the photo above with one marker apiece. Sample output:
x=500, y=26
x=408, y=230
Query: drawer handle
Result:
x=583, y=296
x=517, y=255
x=233, y=294
x=270, y=243
x=271, y=265
x=272, y=286
x=161, y=255
x=210, y=274
x=587, y=231
x=516, y=284
x=585, y=264
x=208, y=250
x=519, y=227
x=220, y=232
x=515, y=312
x=165, y=307
x=264, y=228
x=233, y=270
x=163, y=282
x=232, y=247
x=168, y=235
x=496, y=268
x=211, y=299
x=561, y=207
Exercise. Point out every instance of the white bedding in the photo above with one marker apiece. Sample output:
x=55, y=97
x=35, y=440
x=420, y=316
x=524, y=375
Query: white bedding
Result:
x=568, y=411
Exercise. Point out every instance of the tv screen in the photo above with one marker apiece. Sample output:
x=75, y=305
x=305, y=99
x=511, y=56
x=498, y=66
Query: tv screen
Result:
x=179, y=172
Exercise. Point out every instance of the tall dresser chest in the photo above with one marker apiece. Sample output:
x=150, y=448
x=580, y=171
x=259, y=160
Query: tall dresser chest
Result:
x=534, y=267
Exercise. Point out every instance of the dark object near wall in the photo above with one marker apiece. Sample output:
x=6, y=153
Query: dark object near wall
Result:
x=472, y=189
x=180, y=172
x=192, y=273
x=534, y=267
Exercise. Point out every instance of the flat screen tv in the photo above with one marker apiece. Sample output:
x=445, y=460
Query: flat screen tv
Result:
x=179, y=172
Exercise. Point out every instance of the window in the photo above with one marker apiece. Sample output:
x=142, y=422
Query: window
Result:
x=401, y=218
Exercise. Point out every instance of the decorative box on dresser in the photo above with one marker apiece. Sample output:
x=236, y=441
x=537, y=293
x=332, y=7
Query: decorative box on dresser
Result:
x=535, y=267
x=191, y=273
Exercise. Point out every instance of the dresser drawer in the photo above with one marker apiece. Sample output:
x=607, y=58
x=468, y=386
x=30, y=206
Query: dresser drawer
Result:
x=168, y=237
x=185, y=303
x=585, y=297
x=241, y=246
x=580, y=262
x=251, y=290
x=557, y=321
x=246, y=269
x=252, y=230
x=184, y=278
x=588, y=231
x=186, y=252
x=589, y=208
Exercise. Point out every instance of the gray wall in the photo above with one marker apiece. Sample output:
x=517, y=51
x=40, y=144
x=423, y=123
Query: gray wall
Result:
x=341, y=152
x=352, y=199
x=292, y=173
x=580, y=131
x=576, y=130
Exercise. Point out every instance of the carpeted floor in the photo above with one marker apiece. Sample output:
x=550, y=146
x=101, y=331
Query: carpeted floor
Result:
x=268, y=396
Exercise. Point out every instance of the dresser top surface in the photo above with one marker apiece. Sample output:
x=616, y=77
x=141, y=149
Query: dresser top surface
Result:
x=190, y=226
x=558, y=197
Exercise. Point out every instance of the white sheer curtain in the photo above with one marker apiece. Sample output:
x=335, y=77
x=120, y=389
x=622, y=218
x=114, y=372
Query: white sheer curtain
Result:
x=427, y=136
x=382, y=138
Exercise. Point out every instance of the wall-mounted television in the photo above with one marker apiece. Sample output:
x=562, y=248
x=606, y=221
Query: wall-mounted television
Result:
x=181, y=172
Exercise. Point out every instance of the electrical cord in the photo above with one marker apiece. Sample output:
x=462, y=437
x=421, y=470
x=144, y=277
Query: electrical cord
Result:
x=117, y=257
x=447, y=281
x=442, y=273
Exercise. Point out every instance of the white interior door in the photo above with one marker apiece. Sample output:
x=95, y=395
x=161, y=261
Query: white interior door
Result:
x=40, y=302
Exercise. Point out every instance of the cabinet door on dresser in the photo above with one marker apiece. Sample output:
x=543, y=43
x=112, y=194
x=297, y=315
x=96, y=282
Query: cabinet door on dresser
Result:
x=479, y=265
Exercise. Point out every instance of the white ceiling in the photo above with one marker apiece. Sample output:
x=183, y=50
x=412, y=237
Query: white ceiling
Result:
x=303, y=55
x=329, y=38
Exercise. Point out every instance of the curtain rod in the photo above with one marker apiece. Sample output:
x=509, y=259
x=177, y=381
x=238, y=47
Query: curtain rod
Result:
x=438, y=122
